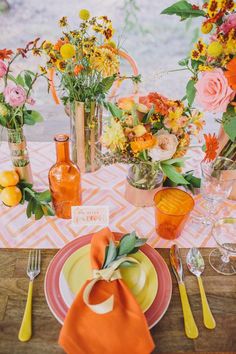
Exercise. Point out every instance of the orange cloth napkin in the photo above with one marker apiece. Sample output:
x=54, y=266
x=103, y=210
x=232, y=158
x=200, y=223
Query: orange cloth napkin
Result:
x=124, y=330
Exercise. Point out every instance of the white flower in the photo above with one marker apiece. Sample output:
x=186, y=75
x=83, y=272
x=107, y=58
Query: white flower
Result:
x=165, y=147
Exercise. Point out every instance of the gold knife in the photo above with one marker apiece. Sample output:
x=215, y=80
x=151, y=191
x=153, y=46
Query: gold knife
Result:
x=191, y=329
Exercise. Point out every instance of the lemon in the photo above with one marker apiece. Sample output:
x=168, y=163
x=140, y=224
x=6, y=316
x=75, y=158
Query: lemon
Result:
x=214, y=49
x=11, y=196
x=67, y=51
x=9, y=178
x=206, y=27
x=84, y=14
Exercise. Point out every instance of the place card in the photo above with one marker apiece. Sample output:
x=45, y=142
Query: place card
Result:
x=90, y=215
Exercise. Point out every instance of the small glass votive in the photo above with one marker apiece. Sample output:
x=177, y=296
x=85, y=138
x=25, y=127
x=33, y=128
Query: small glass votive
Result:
x=172, y=209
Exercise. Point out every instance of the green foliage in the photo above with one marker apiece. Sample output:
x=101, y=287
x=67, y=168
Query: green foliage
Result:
x=193, y=182
x=190, y=92
x=32, y=117
x=113, y=109
x=128, y=244
x=38, y=202
x=184, y=10
x=171, y=172
x=229, y=122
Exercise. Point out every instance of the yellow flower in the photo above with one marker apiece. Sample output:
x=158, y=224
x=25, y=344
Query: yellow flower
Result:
x=195, y=55
x=47, y=46
x=214, y=6
x=182, y=146
x=200, y=46
x=175, y=120
x=84, y=14
x=42, y=69
x=105, y=61
x=215, y=49
x=113, y=137
x=61, y=65
x=67, y=51
x=112, y=44
x=204, y=67
x=63, y=21
x=206, y=27
x=230, y=45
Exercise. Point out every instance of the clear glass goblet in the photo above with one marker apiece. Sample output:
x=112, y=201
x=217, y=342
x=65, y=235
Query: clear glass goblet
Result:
x=223, y=258
x=215, y=185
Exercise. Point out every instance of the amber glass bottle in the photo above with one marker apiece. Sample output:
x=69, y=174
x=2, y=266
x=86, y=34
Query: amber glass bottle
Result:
x=64, y=180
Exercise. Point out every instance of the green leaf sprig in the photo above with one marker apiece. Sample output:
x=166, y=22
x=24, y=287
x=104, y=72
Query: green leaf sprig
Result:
x=38, y=202
x=184, y=10
x=129, y=244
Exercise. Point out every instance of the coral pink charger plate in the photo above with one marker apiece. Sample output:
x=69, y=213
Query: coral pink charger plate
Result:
x=52, y=281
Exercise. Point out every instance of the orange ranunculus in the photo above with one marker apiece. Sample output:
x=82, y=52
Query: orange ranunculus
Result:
x=161, y=103
x=58, y=44
x=212, y=146
x=126, y=103
x=78, y=69
x=147, y=141
x=231, y=73
x=5, y=54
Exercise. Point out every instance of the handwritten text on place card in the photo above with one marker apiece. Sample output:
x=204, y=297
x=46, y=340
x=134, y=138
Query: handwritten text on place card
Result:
x=90, y=215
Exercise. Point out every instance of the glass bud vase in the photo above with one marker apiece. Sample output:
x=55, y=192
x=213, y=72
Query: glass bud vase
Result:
x=64, y=180
x=85, y=131
x=143, y=181
x=19, y=154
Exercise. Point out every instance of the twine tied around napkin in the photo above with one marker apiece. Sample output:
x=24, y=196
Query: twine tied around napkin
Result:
x=107, y=274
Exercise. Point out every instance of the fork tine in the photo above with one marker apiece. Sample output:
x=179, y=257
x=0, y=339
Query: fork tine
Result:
x=32, y=260
x=29, y=262
x=36, y=260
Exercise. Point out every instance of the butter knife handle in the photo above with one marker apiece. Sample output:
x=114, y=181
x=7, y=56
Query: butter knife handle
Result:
x=191, y=329
x=208, y=318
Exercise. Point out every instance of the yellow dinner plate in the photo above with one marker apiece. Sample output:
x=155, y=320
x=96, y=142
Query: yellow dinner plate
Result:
x=140, y=278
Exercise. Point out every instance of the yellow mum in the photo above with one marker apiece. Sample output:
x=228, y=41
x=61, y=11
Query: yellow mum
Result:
x=206, y=27
x=214, y=6
x=113, y=137
x=67, y=51
x=105, y=61
x=215, y=49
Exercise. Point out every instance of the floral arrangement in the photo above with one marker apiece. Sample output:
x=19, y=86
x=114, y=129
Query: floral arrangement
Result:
x=85, y=59
x=212, y=62
x=152, y=132
x=15, y=98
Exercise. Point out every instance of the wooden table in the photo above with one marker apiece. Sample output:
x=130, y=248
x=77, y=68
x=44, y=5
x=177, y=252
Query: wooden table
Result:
x=168, y=333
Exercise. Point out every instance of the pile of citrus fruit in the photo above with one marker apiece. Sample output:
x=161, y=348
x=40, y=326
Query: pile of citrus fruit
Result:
x=10, y=193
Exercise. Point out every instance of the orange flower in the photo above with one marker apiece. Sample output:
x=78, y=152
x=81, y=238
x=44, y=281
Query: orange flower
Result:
x=58, y=44
x=5, y=54
x=161, y=103
x=126, y=103
x=212, y=146
x=78, y=69
x=231, y=73
x=147, y=141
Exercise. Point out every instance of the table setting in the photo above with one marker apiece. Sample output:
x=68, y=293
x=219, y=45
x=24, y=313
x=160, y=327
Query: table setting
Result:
x=119, y=236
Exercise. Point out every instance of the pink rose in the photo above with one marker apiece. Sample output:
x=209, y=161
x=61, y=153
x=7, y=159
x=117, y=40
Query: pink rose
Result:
x=229, y=23
x=213, y=91
x=15, y=96
x=3, y=68
x=30, y=101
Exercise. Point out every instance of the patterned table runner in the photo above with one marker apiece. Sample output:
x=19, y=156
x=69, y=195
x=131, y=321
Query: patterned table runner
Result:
x=104, y=187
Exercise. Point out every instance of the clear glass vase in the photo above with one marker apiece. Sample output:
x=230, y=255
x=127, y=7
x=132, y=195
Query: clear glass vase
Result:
x=19, y=154
x=86, y=131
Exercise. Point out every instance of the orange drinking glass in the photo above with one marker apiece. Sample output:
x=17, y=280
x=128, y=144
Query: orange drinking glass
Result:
x=172, y=209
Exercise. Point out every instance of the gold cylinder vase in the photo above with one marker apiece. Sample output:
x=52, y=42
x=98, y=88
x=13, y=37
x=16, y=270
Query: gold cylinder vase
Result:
x=86, y=131
x=19, y=154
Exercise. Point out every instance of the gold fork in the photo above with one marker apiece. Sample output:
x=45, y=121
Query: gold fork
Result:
x=33, y=270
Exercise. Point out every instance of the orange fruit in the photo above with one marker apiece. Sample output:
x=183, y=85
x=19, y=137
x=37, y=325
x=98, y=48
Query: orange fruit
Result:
x=11, y=196
x=9, y=178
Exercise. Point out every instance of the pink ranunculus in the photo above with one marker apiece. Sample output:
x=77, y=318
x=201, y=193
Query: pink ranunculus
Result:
x=3, y=68
x=30, y=101
x=14, y=95
x=213, y=91
x=229, y=23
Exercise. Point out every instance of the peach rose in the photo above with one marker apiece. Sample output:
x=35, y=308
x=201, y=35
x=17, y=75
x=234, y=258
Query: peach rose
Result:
x=213, y=91
x=165, y=147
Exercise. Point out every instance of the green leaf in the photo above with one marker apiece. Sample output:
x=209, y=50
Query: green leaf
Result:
x=127, y=244
x=11, y=77
x=140, y=242
x=111, y=254
x=107, y=83
x=38, y=211
x=114, y=110
x=28, y=80
x=178, y=162
x=29, y=208
x=173, y=175
x=190, y=92
x=20, y=81
x=229, y=122
x=183, y=62
x=47, y=210
x=32, y=117
x=3, y=121
x=44, y=196
x=183, y=9
x=148, y=115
